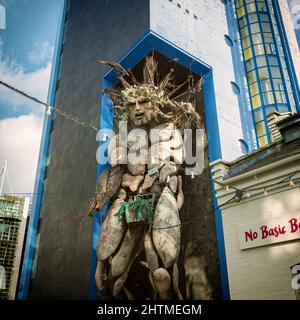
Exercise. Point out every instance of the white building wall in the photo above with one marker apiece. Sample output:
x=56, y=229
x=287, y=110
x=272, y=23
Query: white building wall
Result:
x=203, y=37
x=263, y=272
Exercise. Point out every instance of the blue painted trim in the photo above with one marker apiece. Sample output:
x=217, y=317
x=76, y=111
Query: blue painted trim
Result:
x=288, y=55
x=149, y=42
x=215, y=153
x=41, y=168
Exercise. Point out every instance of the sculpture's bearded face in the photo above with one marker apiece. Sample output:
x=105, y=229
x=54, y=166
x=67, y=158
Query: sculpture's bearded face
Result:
x=140, y=104
x=140, y=111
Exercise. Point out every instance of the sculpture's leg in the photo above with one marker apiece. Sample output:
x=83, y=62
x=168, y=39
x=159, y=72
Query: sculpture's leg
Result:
x=99, y=275
x=119, y=284
x=162, y=283
x=122, y=258
x=176, y=282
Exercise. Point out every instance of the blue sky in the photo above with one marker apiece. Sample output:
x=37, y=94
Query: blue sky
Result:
x=26, y=49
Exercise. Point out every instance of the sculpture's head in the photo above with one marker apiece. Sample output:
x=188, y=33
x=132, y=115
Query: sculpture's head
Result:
x=140, y=102
x=151, y=99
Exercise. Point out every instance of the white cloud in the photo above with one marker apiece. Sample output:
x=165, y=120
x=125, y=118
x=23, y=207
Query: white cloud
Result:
x=34, y=83
x=19, y=145
x=20, y=135
x=41, y=53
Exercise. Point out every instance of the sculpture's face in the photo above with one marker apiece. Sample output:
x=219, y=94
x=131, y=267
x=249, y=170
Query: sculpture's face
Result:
x=140, y=101
x=140, y=111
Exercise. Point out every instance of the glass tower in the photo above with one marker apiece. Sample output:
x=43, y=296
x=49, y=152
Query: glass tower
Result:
x=13, y=213
x=265, y=63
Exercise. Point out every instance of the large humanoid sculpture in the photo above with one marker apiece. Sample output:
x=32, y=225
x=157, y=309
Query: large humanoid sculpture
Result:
x=146, y=195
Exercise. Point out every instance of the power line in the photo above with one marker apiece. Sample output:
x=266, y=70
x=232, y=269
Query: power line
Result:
x=50, y=108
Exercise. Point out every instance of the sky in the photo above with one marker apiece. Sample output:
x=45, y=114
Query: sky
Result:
x=26, y=50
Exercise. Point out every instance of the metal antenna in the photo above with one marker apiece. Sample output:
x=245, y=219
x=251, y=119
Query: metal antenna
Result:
x=2, y=174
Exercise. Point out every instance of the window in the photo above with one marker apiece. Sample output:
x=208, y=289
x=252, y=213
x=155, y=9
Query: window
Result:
x=244, y=32
x=283, y=108
x=228, y=40
x=239, y=3
x=240, y=12
x=252, y=17
x=261, y=61
x=244, y=146
x=268, y=98
x=263, y=141
x=270, y=47
x=251, y=77
x=259, y=50
x=242, y=22
x=260, y=129
x=266, y=85
x=246, y=43
x=266, y=27
x=254, y=90
x=254, y=28
x=273, y=61
x=250, y=65
x=275, y=71
x=268, y=38
x=251, y=7
x=269, y=109
x=248, y=54
x=280, y=97
x=258, y=115
x=263, y=73
x=256, y=38
x=256, y=102
x=263, y=17
x=235, y=88
x=278, y=85
x=261, y=6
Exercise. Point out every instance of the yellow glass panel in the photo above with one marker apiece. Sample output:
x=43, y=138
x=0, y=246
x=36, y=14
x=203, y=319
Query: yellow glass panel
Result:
x=263, y=73
x=260, y=129
x=254, y=89
x=256, y=102
x=240, y=12
x=263, y=141
x=246, y=43
x=239, y=3
x=248, y=54
x=251, y=76
x=244, y=32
